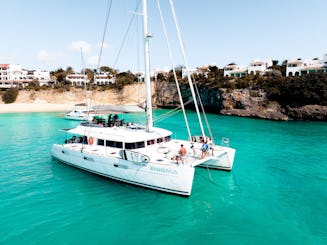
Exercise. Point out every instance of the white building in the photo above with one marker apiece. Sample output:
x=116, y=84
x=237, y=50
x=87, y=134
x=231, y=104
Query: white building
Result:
x=77, y=79
x=141, y=76
x=300, y=67
x=15, y=76
x=43, y=77
x=233, y=70
x=324, y=61
x=12, y=76
x=104, y=79
x=204, y=70
x=259, y=67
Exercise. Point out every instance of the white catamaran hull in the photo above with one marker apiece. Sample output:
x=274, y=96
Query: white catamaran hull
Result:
x=220, y=158
x=79, y=116
x=176, y=179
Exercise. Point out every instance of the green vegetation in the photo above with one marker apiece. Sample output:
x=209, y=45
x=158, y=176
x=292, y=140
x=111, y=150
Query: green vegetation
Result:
x=10, y=96
x=297, y=91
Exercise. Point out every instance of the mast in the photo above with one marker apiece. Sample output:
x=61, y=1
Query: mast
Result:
x=147, y=36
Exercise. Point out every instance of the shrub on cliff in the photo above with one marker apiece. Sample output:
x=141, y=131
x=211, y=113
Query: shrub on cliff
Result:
x=10, y=96
x=298, y=91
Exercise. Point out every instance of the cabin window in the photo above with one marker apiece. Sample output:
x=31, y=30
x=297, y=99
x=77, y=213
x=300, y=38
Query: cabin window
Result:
x=129, y=145
x=134, y=145
x=167, y=138
x=140, y=144
x=100, y=142
x=150, y=142
x=159, y=140
x=114, y=144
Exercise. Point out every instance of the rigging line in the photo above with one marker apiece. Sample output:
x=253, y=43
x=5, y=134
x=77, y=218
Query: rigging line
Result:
x=138, y=62
x=101, y=48
x=104, y=34
x=202, y=108
x=125, y=36
x=173, y=67
x=167, y=114
x=165, y=117
x=187, y=69
x=84, y=80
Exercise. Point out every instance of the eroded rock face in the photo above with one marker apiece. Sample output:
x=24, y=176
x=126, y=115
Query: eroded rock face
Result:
x=251, y=103
x=308, y=112
x=238, y=102
x=166, y=96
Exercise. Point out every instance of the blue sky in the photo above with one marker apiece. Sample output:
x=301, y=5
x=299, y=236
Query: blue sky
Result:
x=49, y=34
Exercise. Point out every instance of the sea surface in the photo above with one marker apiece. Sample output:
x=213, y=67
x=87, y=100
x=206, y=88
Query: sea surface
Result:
x=276, y=193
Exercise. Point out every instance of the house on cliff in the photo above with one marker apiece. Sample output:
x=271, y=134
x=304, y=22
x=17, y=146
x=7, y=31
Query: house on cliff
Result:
x=255, y=67
x=233, y=70
x=14, y=76
x=300, y=67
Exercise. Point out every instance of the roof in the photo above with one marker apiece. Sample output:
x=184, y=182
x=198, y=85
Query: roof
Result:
x=312, y=68
x=295, y=62
x=127, y=134
x=257, y=62
x=118, y=108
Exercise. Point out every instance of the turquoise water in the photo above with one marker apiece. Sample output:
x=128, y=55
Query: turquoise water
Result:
x=276, y=193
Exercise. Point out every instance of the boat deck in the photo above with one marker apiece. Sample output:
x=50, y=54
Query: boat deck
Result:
x=163, y=154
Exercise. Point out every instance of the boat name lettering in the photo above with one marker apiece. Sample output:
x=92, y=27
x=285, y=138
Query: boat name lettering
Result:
x=163, y=170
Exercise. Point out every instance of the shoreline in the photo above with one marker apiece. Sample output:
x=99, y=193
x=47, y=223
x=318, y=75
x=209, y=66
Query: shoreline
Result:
x=34, y=107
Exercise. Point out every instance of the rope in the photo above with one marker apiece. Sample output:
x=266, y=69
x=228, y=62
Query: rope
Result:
x=186, y=65
x=104, y=34
x=173, y=67
x=203, y=111
x=126, y=33
x=173, y=112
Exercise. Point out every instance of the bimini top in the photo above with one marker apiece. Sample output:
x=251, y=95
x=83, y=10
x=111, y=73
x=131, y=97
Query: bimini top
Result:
x=117, y=108
x=124, y=134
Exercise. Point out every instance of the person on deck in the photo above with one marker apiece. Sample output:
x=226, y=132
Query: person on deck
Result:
x=204, y=149
x=182, y=153
x=115, y=119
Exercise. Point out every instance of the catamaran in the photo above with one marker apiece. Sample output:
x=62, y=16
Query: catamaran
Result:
x=146, y=156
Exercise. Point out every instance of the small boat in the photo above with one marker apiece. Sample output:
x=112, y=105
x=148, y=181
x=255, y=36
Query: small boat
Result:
x=80, y=112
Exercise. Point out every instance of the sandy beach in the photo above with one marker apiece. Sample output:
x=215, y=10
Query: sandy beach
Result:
x=56, y=101
x=34, y=107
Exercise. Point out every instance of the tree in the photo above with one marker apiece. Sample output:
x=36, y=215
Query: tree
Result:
x=59, y=75
x=124, y=78
x=69, y=70
x=10, y=96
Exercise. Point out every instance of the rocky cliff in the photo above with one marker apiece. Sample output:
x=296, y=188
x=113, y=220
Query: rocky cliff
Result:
x=239, y=102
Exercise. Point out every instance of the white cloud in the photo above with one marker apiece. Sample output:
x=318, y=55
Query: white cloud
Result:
x=44, y=55
x=78, y=45
x=105, y=45
x=93, y=60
